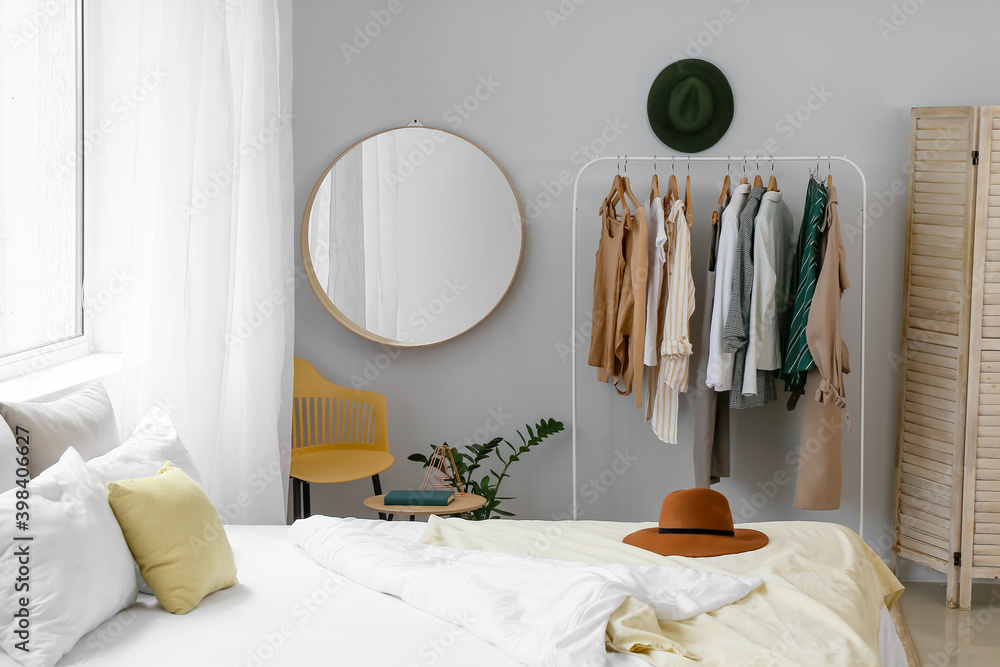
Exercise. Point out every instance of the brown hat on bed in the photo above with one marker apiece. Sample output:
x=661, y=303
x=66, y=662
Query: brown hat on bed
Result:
x=697, y=523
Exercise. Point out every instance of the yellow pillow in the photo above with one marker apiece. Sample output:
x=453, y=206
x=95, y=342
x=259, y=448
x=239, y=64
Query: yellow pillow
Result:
x=175, y=535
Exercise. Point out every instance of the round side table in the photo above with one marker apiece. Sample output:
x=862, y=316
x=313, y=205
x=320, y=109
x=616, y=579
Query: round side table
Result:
x=466, y=503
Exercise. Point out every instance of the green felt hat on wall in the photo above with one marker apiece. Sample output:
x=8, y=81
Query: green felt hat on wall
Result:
x=690, y=105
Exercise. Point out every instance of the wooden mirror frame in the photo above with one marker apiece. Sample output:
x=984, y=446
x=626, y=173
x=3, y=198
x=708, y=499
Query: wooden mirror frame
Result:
x=325, y=299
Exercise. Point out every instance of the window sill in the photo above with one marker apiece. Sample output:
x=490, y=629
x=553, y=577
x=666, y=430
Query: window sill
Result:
x=60, y=379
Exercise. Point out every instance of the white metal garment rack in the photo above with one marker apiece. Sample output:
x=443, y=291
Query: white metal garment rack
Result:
x=726, y=158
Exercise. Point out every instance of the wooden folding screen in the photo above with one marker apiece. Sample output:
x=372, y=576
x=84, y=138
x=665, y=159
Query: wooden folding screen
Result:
x=935, y=348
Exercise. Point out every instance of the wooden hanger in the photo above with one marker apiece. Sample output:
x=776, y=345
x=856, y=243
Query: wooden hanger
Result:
x=772, y=183
x=616, y=195
x=627, y=187
x=687, y=198
x=829, y=172
x=743, y=178
x=672, y=193
x=654, y=187
x=722, y=199
x=757, y=181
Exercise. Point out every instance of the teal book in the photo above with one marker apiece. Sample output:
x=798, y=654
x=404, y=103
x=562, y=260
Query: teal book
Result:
x=416, y=497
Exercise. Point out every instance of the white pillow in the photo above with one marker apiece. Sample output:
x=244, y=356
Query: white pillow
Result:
x=84, y=420
x=79, y=573
x=8, y=457
x=153, y=442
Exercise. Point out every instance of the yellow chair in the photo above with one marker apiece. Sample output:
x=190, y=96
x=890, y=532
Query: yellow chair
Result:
x=338, y=435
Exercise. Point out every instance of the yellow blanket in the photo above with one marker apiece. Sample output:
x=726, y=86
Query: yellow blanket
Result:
x=819, y=605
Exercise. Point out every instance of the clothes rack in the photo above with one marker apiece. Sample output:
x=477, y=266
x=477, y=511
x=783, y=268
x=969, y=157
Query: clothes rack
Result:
x=727, y=158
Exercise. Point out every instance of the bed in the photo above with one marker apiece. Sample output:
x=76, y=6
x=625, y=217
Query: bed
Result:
x=824, y=596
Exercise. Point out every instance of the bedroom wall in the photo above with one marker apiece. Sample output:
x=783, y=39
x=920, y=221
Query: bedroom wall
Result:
x=560, y=79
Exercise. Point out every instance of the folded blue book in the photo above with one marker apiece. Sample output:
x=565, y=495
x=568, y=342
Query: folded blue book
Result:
x=417, y=497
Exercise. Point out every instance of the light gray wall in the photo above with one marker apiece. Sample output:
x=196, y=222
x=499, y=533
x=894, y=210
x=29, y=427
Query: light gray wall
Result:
x=563, y=75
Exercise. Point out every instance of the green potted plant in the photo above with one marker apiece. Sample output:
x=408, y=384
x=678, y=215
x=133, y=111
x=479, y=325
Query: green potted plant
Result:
x=486, y=455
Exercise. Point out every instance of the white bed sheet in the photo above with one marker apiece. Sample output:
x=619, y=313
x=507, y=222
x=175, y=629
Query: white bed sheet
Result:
x=288, y=610
x=285, y=610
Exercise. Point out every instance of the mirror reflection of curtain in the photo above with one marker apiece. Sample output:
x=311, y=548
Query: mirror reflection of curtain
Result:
x=381, y=219
x=358, y=266
x=319, y=234
x=345, y=281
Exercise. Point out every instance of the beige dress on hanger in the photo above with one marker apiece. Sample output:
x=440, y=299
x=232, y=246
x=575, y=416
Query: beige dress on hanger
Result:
x=608, y=279
x=630, y=332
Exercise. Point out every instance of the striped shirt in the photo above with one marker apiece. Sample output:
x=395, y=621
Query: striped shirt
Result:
x=676, y=348
x=798, y=359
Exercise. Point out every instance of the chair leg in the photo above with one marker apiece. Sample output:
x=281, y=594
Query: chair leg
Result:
x=377, y=487
x=296, y=500
x=306, y=505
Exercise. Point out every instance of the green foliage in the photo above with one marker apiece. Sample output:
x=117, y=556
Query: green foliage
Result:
x=485, y=456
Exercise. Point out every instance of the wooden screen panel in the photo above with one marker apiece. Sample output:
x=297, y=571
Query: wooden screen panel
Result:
x=935, y=337
x=981, y=488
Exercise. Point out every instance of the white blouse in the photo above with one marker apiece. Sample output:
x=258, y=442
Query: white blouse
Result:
x=654, y=283
x=719, y=374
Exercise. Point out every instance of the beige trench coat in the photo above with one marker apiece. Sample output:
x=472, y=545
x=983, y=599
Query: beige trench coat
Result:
x=819, y=478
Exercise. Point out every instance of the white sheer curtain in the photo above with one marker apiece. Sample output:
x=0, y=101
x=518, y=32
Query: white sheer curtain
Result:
x=194, y=185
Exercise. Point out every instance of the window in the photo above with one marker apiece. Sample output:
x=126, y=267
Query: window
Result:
x=41, y=107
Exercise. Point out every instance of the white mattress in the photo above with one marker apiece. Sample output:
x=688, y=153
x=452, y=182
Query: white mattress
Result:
x=288, y=610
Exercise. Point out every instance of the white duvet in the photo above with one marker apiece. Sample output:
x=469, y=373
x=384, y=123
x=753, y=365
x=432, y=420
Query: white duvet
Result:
x=539, y=611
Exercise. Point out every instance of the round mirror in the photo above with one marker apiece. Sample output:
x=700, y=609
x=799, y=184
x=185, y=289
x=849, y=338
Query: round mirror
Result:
x=412, y=236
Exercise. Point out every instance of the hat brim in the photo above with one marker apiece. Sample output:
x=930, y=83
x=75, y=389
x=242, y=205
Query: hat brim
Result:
x=722, y=105
x=696, y=546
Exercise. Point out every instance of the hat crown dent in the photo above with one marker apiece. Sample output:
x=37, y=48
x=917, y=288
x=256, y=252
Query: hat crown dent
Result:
x=690, y=105
x=696, y=509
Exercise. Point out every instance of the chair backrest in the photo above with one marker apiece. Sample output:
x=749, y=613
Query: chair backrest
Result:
x=334, y=417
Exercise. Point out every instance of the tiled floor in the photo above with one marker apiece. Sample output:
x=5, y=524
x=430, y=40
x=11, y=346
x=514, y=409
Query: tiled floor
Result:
x=946, y=637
